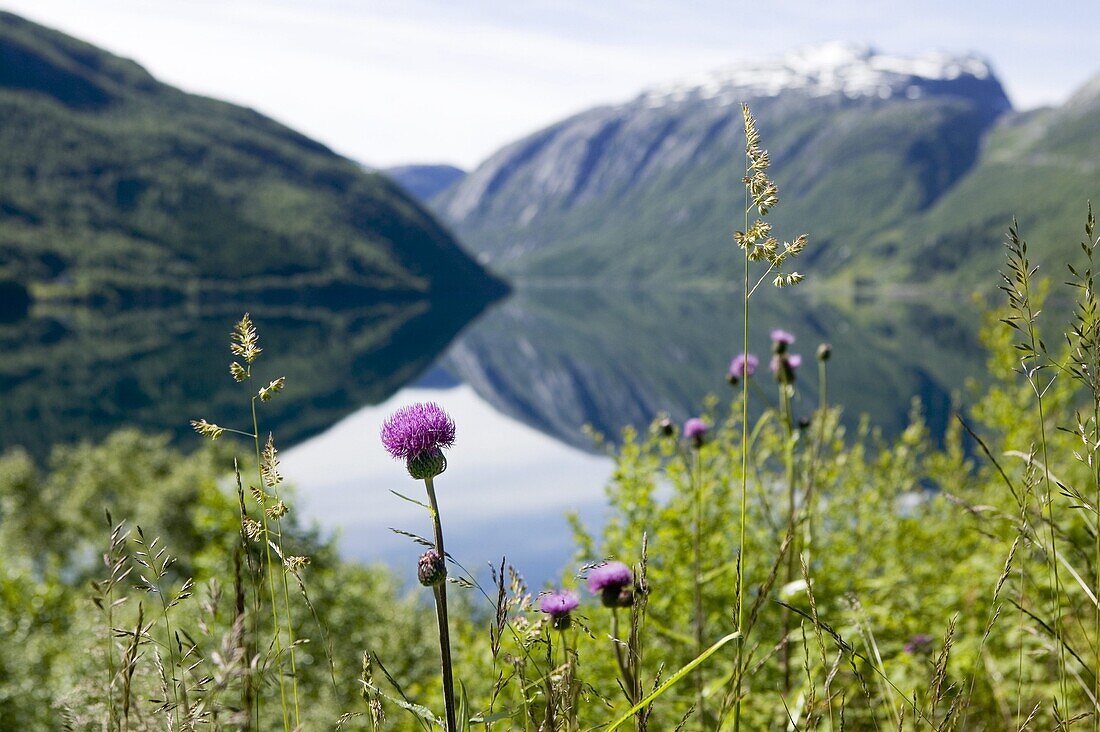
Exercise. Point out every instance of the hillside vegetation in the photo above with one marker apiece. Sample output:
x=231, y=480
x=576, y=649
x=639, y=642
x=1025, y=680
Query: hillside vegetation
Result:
x=115, y=183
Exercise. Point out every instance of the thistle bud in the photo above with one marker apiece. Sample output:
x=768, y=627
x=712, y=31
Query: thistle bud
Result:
x=426, y=464
x=824, y=351
x=665, y=427
x=431, y=570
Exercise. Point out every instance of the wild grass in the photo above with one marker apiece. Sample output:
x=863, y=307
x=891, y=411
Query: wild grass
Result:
x=785, y=572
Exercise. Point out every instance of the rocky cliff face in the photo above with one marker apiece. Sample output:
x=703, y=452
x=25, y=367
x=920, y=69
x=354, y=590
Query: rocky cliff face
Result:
x=651, y=188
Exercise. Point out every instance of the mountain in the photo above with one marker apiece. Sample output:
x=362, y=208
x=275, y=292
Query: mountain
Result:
x=425, y=182
x=651, y=189
x=1039, y=167
x=117, y=185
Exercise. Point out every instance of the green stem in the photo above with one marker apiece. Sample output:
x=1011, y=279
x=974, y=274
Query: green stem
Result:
x=1056, y=588
x=788, y=424
x=111, y=715
x=673, y=680
x=171, y=653
x=441, y=615
x=695, y=477
x=744, y=489
x=289, y=620
x=628, y=678
x=549, y=725
x=1096, y=536
x=270, y=572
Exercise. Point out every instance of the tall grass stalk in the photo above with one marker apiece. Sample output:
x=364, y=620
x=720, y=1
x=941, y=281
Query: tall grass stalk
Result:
x=277, y=625
x=758, y=245
x=244, y=345
x=1034, y=358
x=739, y=661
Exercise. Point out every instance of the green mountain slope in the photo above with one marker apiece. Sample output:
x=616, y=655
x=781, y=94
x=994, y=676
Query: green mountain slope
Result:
x=1040, y=168
x=650, y=189
x=116, y=183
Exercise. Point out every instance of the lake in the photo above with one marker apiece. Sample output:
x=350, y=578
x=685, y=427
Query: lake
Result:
x=521, y=380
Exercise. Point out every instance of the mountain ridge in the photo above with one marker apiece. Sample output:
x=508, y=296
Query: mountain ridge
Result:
x=119, y=185
x=601, y=193
x=898, y=180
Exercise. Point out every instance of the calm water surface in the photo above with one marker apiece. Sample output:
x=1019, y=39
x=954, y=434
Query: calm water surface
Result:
x=520, y=379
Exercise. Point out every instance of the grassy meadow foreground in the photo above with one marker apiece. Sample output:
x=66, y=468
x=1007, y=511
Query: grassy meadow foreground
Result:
x=780, y=572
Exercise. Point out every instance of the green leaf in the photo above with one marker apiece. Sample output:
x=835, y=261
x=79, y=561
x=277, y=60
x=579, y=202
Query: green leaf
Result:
x=672, y=680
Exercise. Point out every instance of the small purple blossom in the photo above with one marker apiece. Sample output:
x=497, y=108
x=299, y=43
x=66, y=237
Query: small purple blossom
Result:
x=920, y=643
x=781, y=336
x=611, y=581
x=611, y=574
x=695, y=429
x=794, y=360
x=417, y=429
x=558, y=604
x=743, y=365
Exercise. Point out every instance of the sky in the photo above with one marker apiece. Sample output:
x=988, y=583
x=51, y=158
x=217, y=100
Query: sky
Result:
x=388, y=82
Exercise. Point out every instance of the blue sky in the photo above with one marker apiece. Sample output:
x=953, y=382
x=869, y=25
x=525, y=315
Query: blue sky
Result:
x=388, y=82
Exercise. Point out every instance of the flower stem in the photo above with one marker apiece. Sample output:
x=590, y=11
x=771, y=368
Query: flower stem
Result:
x=441, y=615
x=695, y=476
x=624, y=669
x=788, y=424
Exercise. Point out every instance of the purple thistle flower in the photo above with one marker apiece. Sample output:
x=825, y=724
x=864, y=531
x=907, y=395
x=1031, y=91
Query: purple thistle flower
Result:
x=695, y=430
x=417, y=429
x=781, y=336
x=608, y=580
x=794, y=360
x=742, y=365
x=611, y=574
x=558, y=604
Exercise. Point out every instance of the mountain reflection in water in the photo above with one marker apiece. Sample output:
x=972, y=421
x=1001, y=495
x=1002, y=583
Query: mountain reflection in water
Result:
x=558, y=358
x=71, y=375
x=522, y=379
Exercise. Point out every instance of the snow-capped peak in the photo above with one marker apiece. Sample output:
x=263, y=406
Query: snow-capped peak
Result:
x=851, y=69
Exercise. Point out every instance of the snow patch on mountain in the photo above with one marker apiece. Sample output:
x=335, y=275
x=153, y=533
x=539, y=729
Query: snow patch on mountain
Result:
x=854, y=70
